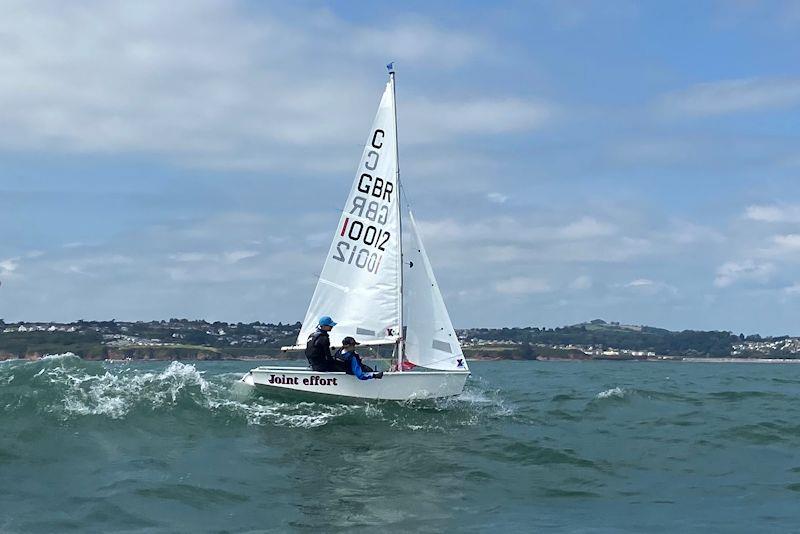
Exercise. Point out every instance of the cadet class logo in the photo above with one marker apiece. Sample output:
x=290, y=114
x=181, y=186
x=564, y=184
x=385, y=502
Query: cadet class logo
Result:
x=364, y=243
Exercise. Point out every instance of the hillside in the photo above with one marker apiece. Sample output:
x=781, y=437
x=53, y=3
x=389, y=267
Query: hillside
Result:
x=199, y=339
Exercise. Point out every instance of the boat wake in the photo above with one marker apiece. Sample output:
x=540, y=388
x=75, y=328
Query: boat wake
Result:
x=69, y=390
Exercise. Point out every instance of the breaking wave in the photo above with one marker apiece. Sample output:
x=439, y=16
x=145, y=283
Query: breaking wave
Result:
x=69, y=389
x=616, y=392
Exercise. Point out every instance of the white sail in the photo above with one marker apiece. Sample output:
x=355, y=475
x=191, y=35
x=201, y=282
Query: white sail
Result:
x=431, y=341
x=359, y=286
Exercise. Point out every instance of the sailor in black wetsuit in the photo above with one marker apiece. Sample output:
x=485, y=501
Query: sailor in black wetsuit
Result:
x=318, y=347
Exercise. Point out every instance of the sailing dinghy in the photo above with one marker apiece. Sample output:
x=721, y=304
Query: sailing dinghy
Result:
x=378, y=284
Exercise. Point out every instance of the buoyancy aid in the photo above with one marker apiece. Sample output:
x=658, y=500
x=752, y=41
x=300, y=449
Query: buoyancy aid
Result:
x=318, y=347
x=346, y=359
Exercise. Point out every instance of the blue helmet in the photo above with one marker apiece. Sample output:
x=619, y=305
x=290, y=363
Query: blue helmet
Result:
x=326, y=321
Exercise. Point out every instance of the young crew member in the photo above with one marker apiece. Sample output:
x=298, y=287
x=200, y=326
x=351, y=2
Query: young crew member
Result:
x=353, y=363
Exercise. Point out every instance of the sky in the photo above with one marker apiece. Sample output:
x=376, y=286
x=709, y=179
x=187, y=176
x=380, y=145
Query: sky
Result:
x=566, y=160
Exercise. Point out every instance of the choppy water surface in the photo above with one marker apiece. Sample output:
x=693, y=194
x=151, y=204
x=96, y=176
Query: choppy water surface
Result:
x=563, y=447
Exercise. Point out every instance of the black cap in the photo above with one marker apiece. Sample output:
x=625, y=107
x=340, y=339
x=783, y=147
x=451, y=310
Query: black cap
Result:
x=350, y=341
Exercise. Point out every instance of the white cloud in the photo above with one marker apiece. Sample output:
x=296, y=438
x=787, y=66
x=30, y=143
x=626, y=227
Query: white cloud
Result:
x=580, y=283
x=585, y=228
x=732, y=96
x=92, y=263
x=210, y=84
x=788, y=242
x=640, y=282
x=432, y=120
x=773, y=213
x=687, y=233
x=497, y=198
x=518, y=229
x=418, y=41
x=192, y=257
x=204, y=257
x=238, y=255
x=522, y=285
x=782, y=247
x=508, y=254
x=646, y=286
x=218, y=273
x=532, y=237
x=732, y=272
x=792, y=290
x=8, y=266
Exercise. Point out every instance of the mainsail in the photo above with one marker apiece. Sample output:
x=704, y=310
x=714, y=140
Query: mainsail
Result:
x=360, y=282
x=431, y=341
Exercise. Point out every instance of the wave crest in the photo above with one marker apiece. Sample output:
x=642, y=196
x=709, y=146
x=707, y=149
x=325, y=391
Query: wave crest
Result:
x=67, y=388
x=116, y=395
x=615, y=392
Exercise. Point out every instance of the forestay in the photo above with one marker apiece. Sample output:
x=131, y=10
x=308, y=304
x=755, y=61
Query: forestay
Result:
x=360, y=282
x=431, y=340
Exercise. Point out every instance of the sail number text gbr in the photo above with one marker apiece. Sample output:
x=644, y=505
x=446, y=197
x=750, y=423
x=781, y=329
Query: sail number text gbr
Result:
x=363, y=232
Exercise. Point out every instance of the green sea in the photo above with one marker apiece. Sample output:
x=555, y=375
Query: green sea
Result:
x=586, y=447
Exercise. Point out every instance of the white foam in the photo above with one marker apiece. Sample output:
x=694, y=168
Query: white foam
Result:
x=474, y=397
x=117, y=391
x=114, y=395
x=427, y=428
x=95, y=389
x=482, y=401
x=297, y=415
x=617, y=392
x=60, y=356
x=180, y=375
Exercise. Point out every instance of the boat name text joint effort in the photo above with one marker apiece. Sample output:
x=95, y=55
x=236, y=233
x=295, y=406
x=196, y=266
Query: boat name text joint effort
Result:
x=313, y=380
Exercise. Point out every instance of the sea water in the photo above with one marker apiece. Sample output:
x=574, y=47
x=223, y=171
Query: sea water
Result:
x=529, y=447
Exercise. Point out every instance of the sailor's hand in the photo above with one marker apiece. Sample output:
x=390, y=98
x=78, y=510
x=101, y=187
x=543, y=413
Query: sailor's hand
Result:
x=379, y=374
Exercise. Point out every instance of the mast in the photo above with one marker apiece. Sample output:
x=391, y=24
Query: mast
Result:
x=401, y=346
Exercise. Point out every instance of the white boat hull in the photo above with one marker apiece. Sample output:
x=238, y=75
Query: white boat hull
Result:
x=408, y=385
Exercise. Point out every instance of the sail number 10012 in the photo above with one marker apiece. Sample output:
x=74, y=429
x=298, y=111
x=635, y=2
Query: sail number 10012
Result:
x=360, y=257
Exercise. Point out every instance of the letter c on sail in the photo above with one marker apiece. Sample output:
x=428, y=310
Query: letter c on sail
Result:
x=375, y=138
x=372, y=160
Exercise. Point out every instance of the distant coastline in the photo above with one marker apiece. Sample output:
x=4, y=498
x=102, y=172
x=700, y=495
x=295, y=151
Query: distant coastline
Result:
x=679, y=359
x=199, y=340
x=475, y=357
